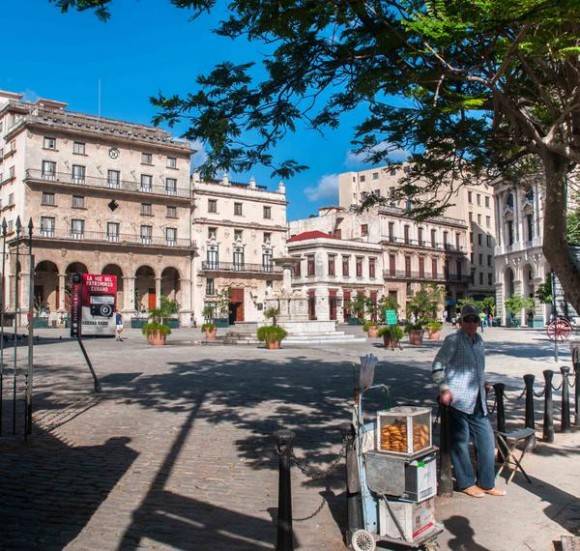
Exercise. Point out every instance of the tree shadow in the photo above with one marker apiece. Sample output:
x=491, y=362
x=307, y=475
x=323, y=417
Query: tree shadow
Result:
x=50, y=490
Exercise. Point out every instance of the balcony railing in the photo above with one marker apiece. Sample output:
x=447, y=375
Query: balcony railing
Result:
x=105, y=183
x=241, y=267
x=120, y=239
x=418, y=276
x=423, y=244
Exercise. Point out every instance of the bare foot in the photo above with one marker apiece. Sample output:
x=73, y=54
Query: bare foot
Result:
x=474, y=491
x=493, y=492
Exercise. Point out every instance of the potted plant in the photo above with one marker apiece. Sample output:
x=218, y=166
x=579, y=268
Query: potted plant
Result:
x=272, y=313
x=515, y=304
x=415, y=331
x=272, y=335
x=209, y=329
x=392, y=335
x=371, y=329
x=434, y=330
x=156, y=328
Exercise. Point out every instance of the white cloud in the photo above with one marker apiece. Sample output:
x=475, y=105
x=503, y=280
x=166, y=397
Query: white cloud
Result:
x=326, y=188
x=200, y=155
x=30, y=95
x=353, y=159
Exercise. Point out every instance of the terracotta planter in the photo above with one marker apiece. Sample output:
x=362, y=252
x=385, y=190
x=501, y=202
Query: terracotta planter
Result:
x=434, y=335
x=156, y=339
x=373, y=332
x=273, y=345
x=210, y=335
x=416, y=337
x=390, y=342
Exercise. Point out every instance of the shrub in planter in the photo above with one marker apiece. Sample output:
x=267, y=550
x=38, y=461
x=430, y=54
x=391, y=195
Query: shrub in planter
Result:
x=392, y=334
x=272, y=335
x=209, y=329
x=415, y=332
x=434, y=330
x=370, y=327
x=156, y=332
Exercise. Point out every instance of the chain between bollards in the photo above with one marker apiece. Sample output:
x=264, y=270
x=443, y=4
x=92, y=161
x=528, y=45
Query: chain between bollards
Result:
x=284, y=538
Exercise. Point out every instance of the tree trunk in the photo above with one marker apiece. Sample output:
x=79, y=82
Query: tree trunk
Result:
x=555, y=246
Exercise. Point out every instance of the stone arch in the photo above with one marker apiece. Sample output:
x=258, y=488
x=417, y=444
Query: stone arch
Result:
x=528, y=280
x=171, y=284
x=115, y=269
x=72, y=268
x=145, y=288
x=46, y=289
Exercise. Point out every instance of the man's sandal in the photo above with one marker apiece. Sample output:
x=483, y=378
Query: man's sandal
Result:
x=493, y=492
x=474, y=491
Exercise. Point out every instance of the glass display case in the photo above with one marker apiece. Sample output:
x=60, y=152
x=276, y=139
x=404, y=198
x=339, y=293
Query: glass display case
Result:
x=404, y=430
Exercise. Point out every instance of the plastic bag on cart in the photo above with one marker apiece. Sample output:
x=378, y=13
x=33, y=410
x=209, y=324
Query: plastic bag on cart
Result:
x=367, y=371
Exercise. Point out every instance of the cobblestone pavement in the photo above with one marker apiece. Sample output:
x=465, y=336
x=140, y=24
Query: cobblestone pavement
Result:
x=177, y=452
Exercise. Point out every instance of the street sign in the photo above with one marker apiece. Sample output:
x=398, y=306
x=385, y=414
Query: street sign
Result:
x=559, y=330
x=391, y=317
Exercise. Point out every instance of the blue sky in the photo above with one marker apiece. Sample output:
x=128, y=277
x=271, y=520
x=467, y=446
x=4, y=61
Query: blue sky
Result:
x=146, y=47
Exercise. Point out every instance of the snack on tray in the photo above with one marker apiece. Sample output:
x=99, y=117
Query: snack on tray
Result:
x=420, y=437
x=394, y=437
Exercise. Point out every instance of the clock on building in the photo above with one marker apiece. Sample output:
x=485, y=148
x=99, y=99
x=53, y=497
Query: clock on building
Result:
x=114, y=153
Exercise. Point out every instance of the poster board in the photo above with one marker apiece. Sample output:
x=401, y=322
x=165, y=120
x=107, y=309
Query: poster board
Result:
x=391, y=317
x=98, y=299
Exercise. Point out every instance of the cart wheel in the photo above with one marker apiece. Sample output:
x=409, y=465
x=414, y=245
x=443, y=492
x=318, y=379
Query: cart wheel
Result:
x=431, y=546
x=362, y=540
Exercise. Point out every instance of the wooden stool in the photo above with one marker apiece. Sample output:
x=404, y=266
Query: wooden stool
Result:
x=507, y=443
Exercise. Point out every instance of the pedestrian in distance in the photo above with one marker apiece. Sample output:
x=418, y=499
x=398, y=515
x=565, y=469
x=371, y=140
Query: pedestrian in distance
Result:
x=459, y=370
x=118, y=325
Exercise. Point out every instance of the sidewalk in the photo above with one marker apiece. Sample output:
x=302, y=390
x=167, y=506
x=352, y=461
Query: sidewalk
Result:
x=177, y=452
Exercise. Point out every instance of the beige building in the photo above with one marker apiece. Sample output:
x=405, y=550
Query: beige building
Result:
x=471, y=206
x=240, y=229
x=104, y=196
x=405, y=254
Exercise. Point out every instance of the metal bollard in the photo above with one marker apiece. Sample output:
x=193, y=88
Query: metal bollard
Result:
x=529, y=382
x=284, y=539
x=499, y=389
x=548, y=431
x=445, y=487
x=577, y=392
x=353, y=495
x=530, y=414
x=565, y=426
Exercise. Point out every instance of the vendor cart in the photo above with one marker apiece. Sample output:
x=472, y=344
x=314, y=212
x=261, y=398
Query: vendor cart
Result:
x=391, y=486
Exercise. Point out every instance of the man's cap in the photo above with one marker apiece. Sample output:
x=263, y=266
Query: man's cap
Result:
x=469, y=310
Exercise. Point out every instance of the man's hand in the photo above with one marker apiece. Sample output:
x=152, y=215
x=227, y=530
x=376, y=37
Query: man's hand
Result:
x=488, y=388
x=445, y=398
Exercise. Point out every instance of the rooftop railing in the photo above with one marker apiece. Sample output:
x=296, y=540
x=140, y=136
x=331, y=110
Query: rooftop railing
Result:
x=240, y=267
x=423, y=276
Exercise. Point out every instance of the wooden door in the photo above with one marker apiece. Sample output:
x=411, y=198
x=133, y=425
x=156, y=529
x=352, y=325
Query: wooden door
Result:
x=151, y=299
x=311, y=305
x=237, y=304
x=332, y=303
x=346, y=305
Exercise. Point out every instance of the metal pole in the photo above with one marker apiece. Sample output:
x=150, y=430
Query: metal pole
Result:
x=16, y=305
x=548, y=435
x=577, y=392
x=499, y=389
x=89, y=363
x=3, y=291
x=565, y=426
x=30, y=369
x=530, y=416
x=284, y=540
x=554, y=313
x=445, y=487
x=353, y=495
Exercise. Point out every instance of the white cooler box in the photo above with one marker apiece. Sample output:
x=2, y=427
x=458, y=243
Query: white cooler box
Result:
x=415, y=519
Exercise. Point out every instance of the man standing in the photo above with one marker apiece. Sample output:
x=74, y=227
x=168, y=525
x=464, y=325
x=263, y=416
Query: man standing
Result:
x=118, y=325
x=459, y=370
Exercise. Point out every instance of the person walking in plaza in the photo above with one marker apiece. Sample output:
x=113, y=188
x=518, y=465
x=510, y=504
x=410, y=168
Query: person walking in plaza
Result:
x=459, y=370
x=118, y=325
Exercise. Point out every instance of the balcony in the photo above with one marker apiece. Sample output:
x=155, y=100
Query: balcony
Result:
x=423, y=244
x=402, y=275
x=92, y=182
x=114, y=239
x=242, y=268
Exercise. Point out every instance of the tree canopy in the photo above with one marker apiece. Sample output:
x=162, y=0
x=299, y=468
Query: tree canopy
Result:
x=475, y=90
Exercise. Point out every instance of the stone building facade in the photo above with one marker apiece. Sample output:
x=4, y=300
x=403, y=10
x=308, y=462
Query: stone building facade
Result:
x=104, y=196
x=240, y=229
x=471, y=206
x=408, y=254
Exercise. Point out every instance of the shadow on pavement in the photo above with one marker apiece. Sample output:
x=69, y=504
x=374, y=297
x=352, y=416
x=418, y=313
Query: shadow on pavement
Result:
x=463, y=533
x=50, y=490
